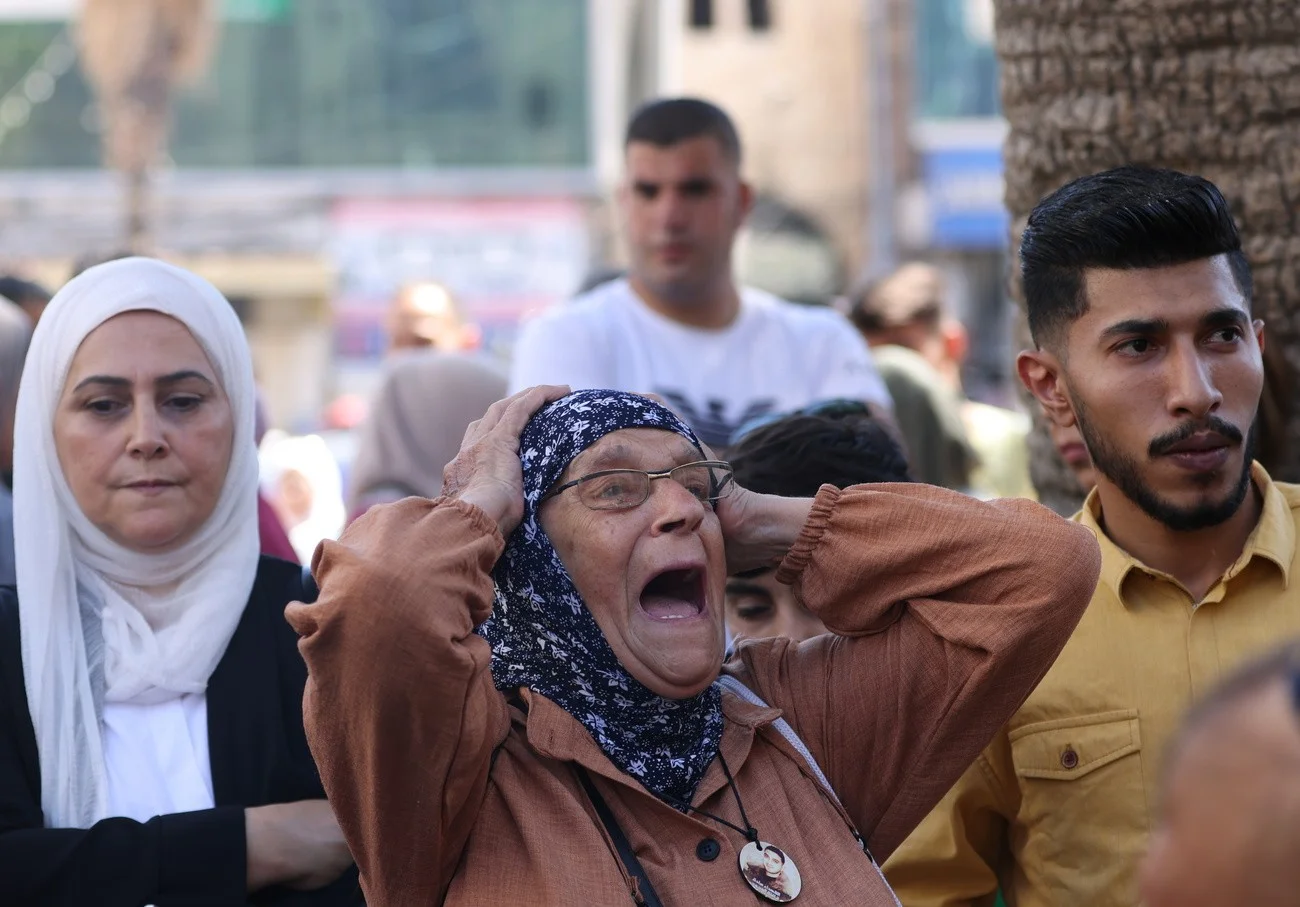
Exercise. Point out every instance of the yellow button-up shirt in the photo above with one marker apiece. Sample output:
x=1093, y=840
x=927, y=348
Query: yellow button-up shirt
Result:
x=1058, y=807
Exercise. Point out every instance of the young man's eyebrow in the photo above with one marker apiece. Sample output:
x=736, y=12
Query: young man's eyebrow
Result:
x=1136, y=326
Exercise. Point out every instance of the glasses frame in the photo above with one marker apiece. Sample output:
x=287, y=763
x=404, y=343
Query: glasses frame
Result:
x=727, y=481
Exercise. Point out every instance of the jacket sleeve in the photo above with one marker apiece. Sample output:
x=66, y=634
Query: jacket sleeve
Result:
x=953, y=857
x=181, y=859
x=945, y=613
x=400, y=709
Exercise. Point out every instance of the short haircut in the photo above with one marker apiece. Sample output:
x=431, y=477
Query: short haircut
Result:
x=1126, y=218
x=671, y=121
x=913, y=294
x=15, y=289
x=795, y=455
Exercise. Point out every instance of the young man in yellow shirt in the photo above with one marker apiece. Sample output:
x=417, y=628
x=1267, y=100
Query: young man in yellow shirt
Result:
x=1139, y=302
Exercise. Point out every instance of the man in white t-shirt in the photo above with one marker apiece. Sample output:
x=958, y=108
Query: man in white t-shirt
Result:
x=677, y=325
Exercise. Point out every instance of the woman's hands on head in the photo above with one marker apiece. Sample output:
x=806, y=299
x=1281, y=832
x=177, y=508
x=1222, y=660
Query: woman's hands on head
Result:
x=487, y=472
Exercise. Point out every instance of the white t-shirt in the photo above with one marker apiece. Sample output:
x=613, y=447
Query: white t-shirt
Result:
x=776, y=356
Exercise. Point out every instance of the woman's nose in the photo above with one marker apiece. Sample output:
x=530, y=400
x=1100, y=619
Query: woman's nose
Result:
x=674, y=507
x=147, y=437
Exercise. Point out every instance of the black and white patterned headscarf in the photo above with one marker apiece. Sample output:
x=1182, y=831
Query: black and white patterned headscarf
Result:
x=543, y=637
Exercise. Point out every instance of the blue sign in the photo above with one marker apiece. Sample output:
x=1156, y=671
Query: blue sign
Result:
x=964, y=193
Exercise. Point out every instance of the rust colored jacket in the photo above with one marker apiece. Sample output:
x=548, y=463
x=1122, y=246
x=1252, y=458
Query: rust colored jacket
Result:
x=948, y=610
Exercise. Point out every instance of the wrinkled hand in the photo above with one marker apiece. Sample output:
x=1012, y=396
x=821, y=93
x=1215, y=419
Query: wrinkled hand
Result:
x=487, y=472
x=298, y=845
x=758, y=528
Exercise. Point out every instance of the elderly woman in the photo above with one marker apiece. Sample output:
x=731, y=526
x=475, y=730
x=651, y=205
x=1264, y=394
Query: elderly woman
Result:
x=563, y=736
x=151, y=741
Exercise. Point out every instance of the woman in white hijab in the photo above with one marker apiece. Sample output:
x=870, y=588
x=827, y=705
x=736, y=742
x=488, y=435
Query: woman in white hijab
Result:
x=151, y=742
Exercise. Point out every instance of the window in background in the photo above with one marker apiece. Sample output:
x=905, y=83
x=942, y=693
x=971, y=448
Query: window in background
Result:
x=956, y=66
x=339, y=83
x=701, y=13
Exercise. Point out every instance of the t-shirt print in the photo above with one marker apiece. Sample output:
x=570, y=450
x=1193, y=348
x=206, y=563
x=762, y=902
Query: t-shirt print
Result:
x=711, y=422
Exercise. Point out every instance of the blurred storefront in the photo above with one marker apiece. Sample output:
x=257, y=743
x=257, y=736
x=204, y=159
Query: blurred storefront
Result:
x=335, y=150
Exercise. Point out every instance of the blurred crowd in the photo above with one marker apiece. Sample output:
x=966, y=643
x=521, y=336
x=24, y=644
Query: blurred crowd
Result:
x=997, y=703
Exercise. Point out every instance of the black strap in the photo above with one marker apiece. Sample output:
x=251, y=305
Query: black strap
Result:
x=648, y=897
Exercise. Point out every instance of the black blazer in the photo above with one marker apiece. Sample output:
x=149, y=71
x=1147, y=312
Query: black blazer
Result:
x=258, y=753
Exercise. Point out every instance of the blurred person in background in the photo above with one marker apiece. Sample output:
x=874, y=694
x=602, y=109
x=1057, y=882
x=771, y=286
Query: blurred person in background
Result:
x=678, y=325
x=426, y=315
x=1073, y=451
x=15, y=334
x=416, y=424
x=838, y=444
x=919, y=348
x=152, y=749
x=1229, y=829
x=1139, y=300
x=274, y=540
x=29, y=296
x=302, y=484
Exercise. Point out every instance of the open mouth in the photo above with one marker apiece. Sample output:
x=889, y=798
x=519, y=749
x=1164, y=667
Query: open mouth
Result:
x=674, y=595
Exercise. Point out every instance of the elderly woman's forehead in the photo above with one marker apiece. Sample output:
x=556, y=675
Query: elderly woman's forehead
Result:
x=638, y=448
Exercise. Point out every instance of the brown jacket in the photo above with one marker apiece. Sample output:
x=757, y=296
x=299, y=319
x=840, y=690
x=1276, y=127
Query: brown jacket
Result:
x=949, y=612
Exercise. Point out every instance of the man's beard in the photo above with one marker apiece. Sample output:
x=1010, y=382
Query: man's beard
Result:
x=1125, y=472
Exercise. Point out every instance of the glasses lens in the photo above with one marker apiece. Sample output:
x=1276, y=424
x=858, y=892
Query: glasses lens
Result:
x=706, y=483
x=614, y=490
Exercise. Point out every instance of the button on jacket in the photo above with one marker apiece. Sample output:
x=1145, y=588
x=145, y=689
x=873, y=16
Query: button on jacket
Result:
x=1057, y=809
x=951, y=610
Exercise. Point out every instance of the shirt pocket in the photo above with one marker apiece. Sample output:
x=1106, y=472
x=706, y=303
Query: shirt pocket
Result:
x=1083, y=809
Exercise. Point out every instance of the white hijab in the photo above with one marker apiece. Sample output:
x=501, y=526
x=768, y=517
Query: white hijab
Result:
x=101, y=622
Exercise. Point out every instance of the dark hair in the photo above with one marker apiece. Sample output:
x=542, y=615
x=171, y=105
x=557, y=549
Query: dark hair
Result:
x=795, y=455
x=667, y=122
x=776, y=850
x=15, y=289
x=1126, y=218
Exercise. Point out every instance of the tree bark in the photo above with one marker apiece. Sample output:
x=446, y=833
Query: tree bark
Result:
x=1203, y=86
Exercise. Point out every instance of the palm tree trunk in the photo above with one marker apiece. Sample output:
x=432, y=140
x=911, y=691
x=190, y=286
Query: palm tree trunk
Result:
x=1204, y=86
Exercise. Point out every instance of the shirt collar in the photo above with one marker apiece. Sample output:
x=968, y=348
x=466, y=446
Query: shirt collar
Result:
x=1272, y=539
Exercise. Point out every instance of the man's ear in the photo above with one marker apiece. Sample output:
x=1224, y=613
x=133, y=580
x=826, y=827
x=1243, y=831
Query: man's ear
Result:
x=1041, y=374
x=744, y=202
x=1258, y=327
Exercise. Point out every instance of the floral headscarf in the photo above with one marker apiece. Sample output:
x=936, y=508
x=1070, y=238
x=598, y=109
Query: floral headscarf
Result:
x=544, y=638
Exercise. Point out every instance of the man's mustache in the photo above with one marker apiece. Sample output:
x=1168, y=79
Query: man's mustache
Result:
x=1162, y=444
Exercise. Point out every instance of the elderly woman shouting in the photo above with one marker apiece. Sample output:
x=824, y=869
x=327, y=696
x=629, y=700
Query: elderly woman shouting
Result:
x=562, y=735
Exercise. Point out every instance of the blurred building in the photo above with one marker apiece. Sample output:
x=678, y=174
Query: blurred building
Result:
x=339, y=148
x=336, y=150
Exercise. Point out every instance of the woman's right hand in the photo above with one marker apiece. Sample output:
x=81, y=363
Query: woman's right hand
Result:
x=298, y=845
x=486, y=471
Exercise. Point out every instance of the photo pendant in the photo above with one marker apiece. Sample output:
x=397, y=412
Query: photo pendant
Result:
x=769, y=870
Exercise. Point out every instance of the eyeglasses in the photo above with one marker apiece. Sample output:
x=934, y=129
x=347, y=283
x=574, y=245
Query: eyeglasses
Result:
x=622, y=489
x=836, y=408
